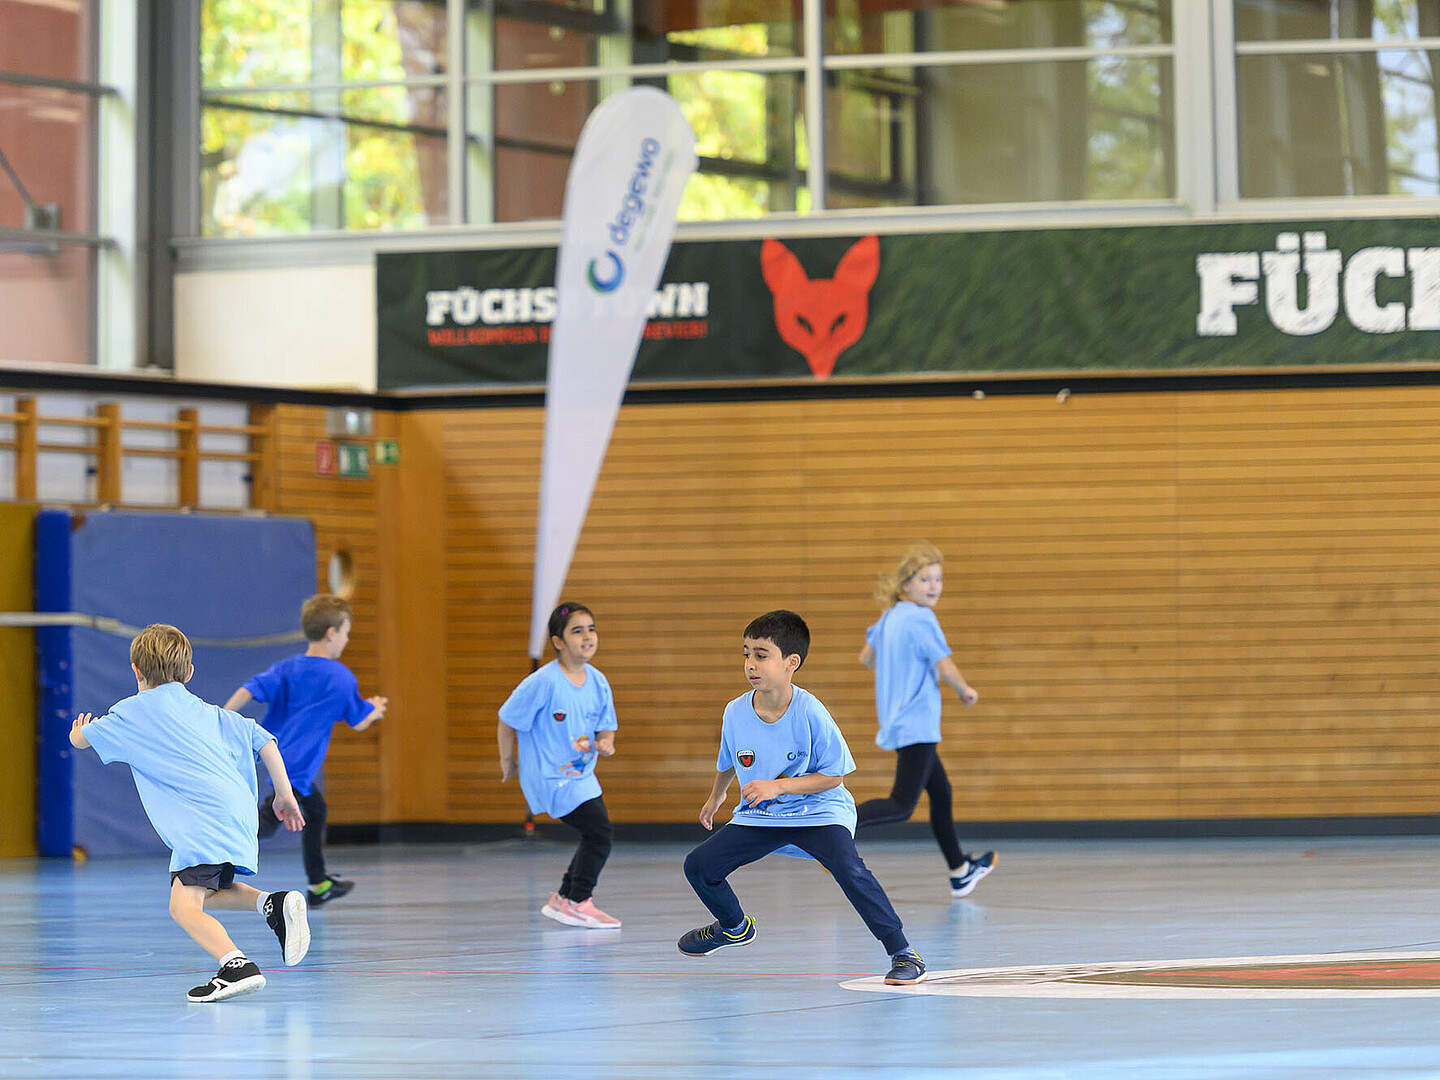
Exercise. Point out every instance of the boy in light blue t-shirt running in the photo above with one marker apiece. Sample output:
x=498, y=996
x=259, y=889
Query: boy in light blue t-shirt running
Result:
x=194, y=767
x=791, y=760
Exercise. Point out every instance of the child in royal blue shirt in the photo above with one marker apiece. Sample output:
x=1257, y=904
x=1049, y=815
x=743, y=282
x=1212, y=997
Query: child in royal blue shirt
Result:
x=307, y=695
x=194, y=769
x=910, y=656
x=561, y=718
x=791, y=760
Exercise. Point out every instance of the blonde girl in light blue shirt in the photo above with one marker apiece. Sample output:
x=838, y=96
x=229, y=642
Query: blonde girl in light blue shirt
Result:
x=908, y=652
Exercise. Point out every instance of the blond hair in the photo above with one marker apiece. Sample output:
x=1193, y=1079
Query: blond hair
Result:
x=891, y=587
x=162, y=653
x=323, y=612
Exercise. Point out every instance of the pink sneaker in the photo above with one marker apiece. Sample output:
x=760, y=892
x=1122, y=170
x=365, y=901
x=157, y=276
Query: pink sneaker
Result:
x=593, y=917
x=563, y=911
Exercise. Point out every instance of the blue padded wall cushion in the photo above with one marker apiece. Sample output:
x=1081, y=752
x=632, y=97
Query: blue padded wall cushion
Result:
x=55, y=818
x=215, y=577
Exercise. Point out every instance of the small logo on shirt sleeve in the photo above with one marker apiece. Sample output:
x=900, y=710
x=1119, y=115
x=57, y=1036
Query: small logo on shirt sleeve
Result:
x=746, y=758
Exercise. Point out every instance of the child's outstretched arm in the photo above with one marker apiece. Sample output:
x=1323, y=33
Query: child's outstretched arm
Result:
x=377, y=710
x=287, y=809
x=717, y=796
x=947, y=670
x=239, y=699
x=77, y=737
x=758, y=791
x=867, y=655
x=505, y=738
x=605, y=742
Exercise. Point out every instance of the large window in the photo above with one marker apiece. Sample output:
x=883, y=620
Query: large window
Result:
x=1337, y=97
x=402, y=114
x=322, y=114
x=381, y=114
x=48, y=224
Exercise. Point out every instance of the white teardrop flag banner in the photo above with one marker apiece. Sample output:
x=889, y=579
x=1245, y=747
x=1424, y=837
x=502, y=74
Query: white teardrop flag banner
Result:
x=635, y=154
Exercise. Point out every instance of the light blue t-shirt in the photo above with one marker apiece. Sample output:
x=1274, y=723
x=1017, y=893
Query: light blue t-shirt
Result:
x=305, y=697
x=194, y=767
x=556, y=722
x=805, y=740
x=908, y=643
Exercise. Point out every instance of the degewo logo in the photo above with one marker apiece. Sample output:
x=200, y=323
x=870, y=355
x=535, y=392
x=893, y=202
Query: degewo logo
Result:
x=608, y=277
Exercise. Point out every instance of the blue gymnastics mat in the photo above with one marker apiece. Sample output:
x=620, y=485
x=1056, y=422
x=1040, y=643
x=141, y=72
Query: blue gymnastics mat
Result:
x=234, y=585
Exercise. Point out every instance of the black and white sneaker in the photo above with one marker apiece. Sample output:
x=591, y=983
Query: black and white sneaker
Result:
x=239, y=976
x=285, y=913
x=964, y=881
x=327, y=890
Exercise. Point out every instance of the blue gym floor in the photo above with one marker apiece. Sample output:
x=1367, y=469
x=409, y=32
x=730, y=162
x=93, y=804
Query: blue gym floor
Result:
x=440, y=965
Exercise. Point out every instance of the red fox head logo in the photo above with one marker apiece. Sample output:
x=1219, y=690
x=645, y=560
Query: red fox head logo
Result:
x=822, y=318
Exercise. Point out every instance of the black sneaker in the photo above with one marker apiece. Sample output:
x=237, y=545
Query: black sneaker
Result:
x=239, y=976
x=963, y=883
x=906, y=969
x=327, y=890
x=704, y=940
x=285, y=914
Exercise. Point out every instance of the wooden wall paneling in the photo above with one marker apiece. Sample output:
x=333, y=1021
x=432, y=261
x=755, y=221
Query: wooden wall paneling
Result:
x=345, y=515
x=1311, y=533
x=412, y=629
x=1200, y=605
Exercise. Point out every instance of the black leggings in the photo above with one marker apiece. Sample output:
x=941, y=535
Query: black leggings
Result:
x=312, y=837
x=917, y=768
x=596, y=833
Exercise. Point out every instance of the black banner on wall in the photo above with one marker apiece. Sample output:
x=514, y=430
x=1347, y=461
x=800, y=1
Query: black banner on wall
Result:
x=1235, y=296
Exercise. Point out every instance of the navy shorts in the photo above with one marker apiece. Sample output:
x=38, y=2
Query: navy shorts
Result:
x=212, y=876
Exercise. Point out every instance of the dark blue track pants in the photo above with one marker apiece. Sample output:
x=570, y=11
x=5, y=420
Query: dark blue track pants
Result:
x=832, y=846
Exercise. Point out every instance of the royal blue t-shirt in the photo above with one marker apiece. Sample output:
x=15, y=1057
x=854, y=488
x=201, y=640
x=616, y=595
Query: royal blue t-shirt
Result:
x=306, y=696
x=555, y=722
x=805, y=740
x=908, y=643
x=194, y=767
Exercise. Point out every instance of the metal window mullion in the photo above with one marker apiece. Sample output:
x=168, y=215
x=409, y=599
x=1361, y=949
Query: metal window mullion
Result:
x=116, y=306
x=327, y=142
x=978, y=58
x=46, y=236
x=94, y=89
x=1226, y=105
x=813, y=20
x=759, y=66
x=211, y=93
x=1194, y=113
x=1328, y=46
x=455, y=112
x=479, y=116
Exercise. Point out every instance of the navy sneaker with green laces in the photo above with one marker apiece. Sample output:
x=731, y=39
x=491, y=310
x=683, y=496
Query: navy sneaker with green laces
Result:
x=329, y=889
x=704, y=940
x=906, y=969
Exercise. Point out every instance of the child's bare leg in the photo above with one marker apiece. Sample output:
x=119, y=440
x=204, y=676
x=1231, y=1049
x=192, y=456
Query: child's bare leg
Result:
x=187, y=907
x=236, y=898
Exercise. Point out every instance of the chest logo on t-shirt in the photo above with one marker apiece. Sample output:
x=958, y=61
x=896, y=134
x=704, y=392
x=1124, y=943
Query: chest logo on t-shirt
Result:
x=559, y=717
x=746, y=758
